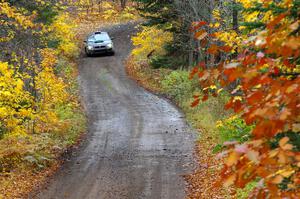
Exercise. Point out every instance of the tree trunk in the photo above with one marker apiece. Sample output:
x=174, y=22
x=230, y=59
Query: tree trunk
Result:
x=123, y=4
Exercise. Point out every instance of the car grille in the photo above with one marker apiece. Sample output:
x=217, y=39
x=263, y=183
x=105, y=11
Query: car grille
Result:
x=99, y=47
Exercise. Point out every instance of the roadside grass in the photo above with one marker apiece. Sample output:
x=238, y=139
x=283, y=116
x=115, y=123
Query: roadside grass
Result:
x=201, y=183
x=147, y=77
x=177, y=86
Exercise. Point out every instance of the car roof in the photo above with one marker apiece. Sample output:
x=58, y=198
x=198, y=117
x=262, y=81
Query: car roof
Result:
x=103, y=35
x=100, y=32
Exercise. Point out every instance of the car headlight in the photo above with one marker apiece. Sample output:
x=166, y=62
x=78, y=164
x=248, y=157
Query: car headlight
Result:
x=90, y=47
x=109, y=45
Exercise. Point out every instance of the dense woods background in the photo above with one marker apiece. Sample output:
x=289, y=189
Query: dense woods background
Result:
x=245, y=53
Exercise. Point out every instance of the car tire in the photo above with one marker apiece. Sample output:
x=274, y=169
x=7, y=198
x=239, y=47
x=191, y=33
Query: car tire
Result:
x=87, y=53
x=112, y=53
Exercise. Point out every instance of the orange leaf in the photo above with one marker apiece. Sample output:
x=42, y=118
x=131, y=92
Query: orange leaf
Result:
x=273, y=23
x=284, y=114
x=203, y=75
x=283, y=141
x=288, y=147
x=277, y=180
x=282, y=158
x=253, y=156
x=201, y=34
x=197, y=25
x=232, y=159
x=230, y=180
x=233, y=74
x=213, y=49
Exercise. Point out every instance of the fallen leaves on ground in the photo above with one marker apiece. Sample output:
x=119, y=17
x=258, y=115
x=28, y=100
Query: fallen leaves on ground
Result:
x=201, y=183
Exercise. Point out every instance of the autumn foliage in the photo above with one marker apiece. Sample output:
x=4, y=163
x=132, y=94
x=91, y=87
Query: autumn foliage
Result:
x=262, y=75
x=40, y=114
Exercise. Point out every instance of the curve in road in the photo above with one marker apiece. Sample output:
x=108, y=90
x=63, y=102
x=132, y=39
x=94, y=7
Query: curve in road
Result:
x=138, y=144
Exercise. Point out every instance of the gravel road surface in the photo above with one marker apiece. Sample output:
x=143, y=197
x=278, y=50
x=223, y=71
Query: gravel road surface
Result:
x=138, y=145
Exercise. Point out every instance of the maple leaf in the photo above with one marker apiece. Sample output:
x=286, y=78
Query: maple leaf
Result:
x=195, y=103
x=232, y=159
x=230, y=180
x=201, y=34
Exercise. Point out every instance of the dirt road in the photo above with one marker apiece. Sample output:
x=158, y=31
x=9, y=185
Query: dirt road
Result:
x=138, y=144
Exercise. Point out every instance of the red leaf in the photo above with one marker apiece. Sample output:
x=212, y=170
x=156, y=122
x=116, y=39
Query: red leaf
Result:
x=193, y=72
x=273, y=23
x=255, y=97
x=195, y=103
x=197, y=25
x=202, y=64
x=196, y=97
x=276, y=71
x=203, y=75
x=205, y=97
x=233, y=74
x=226, y=48
x=213, y=49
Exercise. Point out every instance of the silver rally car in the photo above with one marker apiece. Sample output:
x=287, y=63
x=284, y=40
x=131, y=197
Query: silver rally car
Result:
x=99, y=42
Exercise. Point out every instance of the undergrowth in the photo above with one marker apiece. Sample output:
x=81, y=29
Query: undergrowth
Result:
x=29, y=156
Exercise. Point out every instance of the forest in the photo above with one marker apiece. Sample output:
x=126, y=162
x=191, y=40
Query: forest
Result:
x=232, y=67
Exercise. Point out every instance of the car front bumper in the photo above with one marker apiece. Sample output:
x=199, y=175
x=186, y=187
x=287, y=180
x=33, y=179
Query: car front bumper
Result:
x=96, y=50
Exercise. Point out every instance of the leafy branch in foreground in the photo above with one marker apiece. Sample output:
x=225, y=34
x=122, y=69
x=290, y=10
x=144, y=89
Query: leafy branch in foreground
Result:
x=263, y=67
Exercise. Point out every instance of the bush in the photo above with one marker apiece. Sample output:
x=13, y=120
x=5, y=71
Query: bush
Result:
x=2, y=131
x=178, y=85
x=129, y=13
x=151, y=40
x=234, y=129
x=166, y=62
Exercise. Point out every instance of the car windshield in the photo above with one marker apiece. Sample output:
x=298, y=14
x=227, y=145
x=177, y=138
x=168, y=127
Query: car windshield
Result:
x=98, y=38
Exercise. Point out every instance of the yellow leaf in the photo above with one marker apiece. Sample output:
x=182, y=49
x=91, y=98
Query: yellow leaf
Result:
x=287, y=174
x=296, y=127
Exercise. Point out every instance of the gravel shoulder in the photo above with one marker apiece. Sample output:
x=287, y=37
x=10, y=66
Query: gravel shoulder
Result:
x=138, y=145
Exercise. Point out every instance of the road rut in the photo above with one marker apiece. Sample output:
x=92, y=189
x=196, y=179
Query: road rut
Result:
x=138, y=144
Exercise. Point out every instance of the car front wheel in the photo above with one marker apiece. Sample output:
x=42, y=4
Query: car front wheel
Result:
x=88, y=54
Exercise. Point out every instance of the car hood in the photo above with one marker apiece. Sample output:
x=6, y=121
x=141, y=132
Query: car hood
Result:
x=99, y=44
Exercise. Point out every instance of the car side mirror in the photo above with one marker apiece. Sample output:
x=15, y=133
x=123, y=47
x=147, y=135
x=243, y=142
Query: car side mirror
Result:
x=84, y=41
x=112, y=38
